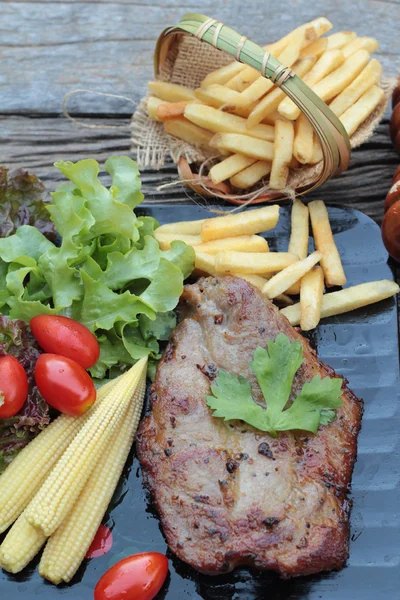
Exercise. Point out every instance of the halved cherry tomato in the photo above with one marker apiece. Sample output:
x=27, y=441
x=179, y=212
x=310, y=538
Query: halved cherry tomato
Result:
x=64, y=384
x=391, y=231
x=13, y=386
x=64, y=336
x=137, y=577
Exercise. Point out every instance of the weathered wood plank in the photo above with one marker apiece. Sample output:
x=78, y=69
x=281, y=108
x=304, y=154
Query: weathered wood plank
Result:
x=48, y=48
x=36, y=143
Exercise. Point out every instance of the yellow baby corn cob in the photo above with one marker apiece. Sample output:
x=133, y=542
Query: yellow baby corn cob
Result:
x=22, y=478
x=57, y=495
x=20, y=545
x=67, y=547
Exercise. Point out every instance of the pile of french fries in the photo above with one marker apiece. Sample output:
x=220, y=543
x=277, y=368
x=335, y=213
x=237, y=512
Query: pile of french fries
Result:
x=231, y=245
x=239, y=114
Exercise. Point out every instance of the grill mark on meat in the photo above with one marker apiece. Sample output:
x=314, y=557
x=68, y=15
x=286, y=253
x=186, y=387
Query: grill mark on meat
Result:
x=294, y=516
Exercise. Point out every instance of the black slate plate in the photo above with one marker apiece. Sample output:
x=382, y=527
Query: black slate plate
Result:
x=364, y=347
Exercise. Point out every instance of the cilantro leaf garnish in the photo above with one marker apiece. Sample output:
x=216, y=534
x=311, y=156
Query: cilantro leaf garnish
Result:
x=275, y=368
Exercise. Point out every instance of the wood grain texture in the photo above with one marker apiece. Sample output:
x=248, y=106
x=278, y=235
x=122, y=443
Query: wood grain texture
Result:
x=48, y=48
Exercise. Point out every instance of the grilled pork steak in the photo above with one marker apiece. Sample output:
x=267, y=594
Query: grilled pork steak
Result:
x=229, y=494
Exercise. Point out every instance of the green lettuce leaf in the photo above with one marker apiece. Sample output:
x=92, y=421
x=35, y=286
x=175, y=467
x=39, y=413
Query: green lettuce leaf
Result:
x=125, y=180
x=160, y=328
x=101, y=307
x=110, y=215
x=24, y=247
x=64, y=281
x=108, y=272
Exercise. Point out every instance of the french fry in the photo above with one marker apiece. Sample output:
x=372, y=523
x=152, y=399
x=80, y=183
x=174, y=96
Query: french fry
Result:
x=356, y=114
x=328, y=62
x=240, y=243
x=316, y=48
x=368, y=77
x=303, y=140
x=262, y=85
x=243, y=79
x=337, y=303
x=360, y=43
x=218, y=95
x=182, y=227
x=170, y=92
x=340, y=39
x=272, y=117
x=317, y=155
x=298, y=243
x=250, y=176
x=256, y=263
x=248, y=223
x=165, y=239
x=336, y=81
x=229, y=167
x=313, y=30
x=205, y=262
x=243, y=144
x=152, y=104
x=324, y=243
x=170, y=110
x=272, y=100
x=311, y=293
x=220, y=122
x=283, y=152
x=223, y=75
x=280, y=282
x=188, y=132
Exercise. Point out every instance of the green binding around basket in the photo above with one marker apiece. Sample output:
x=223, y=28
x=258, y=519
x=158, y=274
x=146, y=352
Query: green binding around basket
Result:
x=333, y=138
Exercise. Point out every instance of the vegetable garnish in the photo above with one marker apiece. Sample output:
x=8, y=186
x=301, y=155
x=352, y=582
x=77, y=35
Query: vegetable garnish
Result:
x=64, y=384
x=17, y=431
x=275, y=369
x=23, y=202
x=139, y=577
x=109, y=272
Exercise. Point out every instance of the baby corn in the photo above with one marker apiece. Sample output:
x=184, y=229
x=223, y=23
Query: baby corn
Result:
x=67, y=547
x=20, y=545
x=57, y=495
x=23, y=477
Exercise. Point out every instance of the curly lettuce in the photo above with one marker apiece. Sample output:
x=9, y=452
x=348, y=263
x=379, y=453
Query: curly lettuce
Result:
x=23, y=202
x=108, y=272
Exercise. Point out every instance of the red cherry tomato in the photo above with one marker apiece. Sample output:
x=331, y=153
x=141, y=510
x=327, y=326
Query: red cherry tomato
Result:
x=64, y=384
x=13, y=386
x=137, y=577
x=64, y=336
x=101, y=544
x=391, y=231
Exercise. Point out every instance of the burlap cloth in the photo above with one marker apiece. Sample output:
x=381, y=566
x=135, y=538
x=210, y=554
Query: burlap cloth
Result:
x=188, y=63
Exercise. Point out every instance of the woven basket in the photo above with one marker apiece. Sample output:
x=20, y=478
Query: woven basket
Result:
x=185, y=54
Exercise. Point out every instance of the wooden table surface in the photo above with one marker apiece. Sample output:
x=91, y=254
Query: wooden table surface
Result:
x=50, y=47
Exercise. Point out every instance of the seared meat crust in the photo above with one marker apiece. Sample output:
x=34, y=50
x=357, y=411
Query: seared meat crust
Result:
x=228, y=494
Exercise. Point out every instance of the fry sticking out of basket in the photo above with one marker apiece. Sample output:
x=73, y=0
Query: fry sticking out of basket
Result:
x=257, y=115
